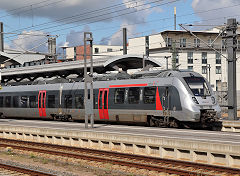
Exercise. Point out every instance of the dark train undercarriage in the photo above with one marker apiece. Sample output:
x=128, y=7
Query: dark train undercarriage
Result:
x=208, y=120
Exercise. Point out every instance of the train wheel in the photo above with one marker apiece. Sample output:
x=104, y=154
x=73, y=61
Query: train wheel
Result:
x=173, y=123
x=2, y=116
x=152, y=123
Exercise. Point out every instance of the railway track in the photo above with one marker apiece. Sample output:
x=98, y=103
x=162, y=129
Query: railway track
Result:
x=10, y=170
x=137, y=161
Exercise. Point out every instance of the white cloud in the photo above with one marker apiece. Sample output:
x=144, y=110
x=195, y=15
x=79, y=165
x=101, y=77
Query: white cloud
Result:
x=87, y=11
x=82, y=12
x=194, y=3
x=6, y=46
x=224, y=9
x=31, y=40
x=75, y=38
x=117, y=37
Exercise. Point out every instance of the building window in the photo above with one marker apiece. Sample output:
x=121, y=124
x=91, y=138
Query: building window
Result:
x=149, y=95
x=109, y=49
x=218, y=85
x=96, y=50
x=210, y=42
x=196, y=42
x=223, y=44
x=168, y=42
x=182, y=42
x=218, y=58
x=177, y=58
x=204, y=69
x=75, y=53
x=190, y=57
x=119, y=95
x=204, y=57
x=218, y=70
x=134, y=95
x=238, y=44
x=190, y=68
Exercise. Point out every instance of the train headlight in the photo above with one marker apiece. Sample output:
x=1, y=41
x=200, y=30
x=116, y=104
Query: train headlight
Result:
x=195, y=100
x=213, y=100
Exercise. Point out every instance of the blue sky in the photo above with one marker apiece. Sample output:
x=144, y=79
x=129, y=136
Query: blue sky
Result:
x=105, y=18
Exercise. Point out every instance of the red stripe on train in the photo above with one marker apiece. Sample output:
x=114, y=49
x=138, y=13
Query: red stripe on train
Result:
x=158, y=101
x=128, y=85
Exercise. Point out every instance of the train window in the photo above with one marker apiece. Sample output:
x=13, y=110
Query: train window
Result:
x=24, y=101
x=100, y=99
x=32, y=102
x=51, y=101
x=79, y=101
x=105, y=100
x=1, y=101
x=133, y=95
x=198, y=86
x=8, y=101
x=68, y=101
x=15, y=101
x=149, y=95
x=40, y=100
x=119, y=95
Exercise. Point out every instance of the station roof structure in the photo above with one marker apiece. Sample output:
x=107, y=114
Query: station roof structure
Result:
x=65, y=69
x=20, y=57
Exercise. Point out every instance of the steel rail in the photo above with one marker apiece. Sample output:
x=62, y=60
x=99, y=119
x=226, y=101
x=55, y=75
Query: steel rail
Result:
x=154, y=162
x=23, y=170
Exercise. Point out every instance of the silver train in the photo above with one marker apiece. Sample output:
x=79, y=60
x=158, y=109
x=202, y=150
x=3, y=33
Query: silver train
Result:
x=162, y=98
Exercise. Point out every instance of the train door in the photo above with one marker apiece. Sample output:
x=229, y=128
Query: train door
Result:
x=42, y=103
x=165, y=104
x=103, y=103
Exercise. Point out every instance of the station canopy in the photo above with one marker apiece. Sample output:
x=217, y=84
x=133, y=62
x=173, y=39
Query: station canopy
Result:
x=64, y=69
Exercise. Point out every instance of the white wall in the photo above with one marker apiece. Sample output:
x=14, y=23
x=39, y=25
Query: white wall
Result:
x=103, y=51
x=70, y=53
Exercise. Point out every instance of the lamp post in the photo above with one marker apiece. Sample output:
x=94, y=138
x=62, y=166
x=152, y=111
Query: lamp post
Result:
x=166, y=57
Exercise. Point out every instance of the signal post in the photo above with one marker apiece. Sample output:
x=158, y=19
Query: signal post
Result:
x=88, y=81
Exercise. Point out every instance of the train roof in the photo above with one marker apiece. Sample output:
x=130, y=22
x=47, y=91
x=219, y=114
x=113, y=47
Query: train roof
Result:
x=122, y=76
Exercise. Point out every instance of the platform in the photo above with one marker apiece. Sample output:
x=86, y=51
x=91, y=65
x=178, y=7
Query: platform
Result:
x=231, y=126
x=220, y=148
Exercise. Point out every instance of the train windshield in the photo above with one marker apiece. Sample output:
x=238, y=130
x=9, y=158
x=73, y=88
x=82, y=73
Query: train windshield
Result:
x=198, y=86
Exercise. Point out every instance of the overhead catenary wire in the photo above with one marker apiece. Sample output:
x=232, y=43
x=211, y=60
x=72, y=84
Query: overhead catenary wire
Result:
x=214, y=9
x=108, y=13
x=180, y=15
x=198, y=12
x=154, y=34
x=137, y=11
x=31, y=7
x=81, y=14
